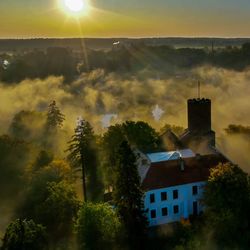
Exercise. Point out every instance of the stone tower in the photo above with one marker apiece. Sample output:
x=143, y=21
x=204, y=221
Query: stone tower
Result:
x=199, y=135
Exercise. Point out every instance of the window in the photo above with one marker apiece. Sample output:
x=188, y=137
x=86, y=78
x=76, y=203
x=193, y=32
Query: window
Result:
x=153, y=214
x=175, y=194
x=195, y=190
x=164, y=196
x=164, y=211
x=176, y=209
x=152, y=198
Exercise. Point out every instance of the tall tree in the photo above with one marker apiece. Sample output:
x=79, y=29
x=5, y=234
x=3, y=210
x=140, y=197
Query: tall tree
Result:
x=82, y=152
x=52, y=132
x=54, y=117
x=128, y=196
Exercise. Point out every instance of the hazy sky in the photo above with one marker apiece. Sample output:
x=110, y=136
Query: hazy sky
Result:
x=127, y=18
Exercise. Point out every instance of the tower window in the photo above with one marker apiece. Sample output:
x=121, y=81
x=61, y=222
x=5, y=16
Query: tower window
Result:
x=195, y=190
x=152, y=198
x=164, y=196
x=176, y=209
x=164, y=211
x=153, y=214
x=175, y=194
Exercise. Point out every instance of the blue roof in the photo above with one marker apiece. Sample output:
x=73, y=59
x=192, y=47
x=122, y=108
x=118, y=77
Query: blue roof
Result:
x=172, y=155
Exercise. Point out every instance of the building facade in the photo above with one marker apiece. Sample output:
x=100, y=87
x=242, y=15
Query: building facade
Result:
x=171, y=204
x=174, y=184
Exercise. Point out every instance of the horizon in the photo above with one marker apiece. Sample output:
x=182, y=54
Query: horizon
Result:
x=123, y=37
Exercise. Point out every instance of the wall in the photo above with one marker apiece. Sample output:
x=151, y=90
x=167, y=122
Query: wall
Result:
x=185, y=202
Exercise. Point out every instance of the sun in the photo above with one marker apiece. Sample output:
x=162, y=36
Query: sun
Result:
x=76, y=6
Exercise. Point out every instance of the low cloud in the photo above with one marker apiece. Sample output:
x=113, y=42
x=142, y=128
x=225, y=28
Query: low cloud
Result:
x=97, y=94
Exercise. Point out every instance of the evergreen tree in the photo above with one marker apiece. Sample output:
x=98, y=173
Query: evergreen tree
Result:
x=53, y=123
x=82, y=151
x=54, y=117
x=128, y=196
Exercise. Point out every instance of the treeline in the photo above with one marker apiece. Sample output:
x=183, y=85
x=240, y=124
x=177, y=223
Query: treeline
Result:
x=234, y=129
x=130, y=58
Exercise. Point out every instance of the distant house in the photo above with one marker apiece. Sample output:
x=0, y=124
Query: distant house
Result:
x=174, y=181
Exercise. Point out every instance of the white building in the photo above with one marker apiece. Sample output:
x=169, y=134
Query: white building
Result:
x=174, y=183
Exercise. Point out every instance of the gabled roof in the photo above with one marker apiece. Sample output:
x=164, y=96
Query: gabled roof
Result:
x=171, y=140
x=172, y=155
x=168, y=173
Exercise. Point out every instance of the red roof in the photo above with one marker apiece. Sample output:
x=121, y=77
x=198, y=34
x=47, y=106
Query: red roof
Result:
x=169, y=173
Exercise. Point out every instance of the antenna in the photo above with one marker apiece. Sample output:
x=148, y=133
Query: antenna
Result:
x=199, y=90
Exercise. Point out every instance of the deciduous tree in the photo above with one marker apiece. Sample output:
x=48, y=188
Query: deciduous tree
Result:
x=227, y=199
x=24, y=235
x=97, y=226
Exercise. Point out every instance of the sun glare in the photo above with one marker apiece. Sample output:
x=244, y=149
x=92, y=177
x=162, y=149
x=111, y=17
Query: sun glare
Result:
x=76, y=6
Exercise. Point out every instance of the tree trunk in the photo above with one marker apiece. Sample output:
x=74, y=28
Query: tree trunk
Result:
x=83, y=180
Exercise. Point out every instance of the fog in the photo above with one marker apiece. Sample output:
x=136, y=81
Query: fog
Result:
x=107, y=98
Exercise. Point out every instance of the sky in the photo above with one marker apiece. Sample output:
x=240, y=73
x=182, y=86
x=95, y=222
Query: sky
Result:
x=126, y=18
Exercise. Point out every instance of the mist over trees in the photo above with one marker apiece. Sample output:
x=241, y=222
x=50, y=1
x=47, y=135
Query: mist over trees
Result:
x=40, y=182
x=59, y=61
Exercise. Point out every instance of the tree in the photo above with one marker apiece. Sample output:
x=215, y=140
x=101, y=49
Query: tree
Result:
x=128, y=197
x=53, y=135
x=14, y=156
x=82, y=151
x=43, y=159
x=233, y=129
x=54, y=118
x=26, y=125
x=50, y=199
x=139, y=134
x=55, y=206
x=227, y=197
x=59, y=210
x=97, y=226
x=24, y=235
